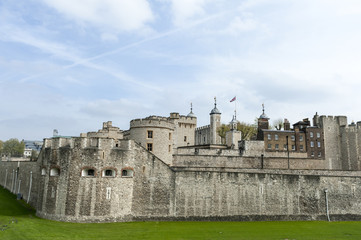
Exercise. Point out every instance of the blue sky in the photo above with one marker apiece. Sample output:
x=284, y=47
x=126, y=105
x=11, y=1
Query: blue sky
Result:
x=73, y=64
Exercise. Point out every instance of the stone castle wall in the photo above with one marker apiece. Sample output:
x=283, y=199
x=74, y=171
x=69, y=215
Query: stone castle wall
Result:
x=168, y=133
x=72, y=196
x=231, y=194
x=21, y=177
x=351, y=146
x=205, y=188
x=332, y=140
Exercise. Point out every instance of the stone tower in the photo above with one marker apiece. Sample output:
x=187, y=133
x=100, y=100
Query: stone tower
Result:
x=215, y=123
x=262, y=124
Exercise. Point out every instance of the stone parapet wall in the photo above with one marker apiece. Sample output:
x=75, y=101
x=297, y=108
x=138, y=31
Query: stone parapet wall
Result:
x=237, y=161
x=159, y=122
x=266, y=194
x=21, y=177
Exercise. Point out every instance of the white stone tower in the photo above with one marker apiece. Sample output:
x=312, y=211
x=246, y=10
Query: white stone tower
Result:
x=215, y=123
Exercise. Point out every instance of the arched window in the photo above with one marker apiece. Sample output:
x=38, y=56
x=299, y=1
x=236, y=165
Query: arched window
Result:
x=127, y=172
x=43, y=171
x=88, y=172
x=108, y=173
x=54, y=172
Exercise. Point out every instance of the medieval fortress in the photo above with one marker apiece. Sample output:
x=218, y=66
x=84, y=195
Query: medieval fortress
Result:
x=167, y=168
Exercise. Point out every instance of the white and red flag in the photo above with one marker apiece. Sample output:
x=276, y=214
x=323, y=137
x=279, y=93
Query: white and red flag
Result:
x=233, y=99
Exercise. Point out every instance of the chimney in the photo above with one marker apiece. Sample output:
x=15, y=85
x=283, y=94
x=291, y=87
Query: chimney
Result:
x=286, y=125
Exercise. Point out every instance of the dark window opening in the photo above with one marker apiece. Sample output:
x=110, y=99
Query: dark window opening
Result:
x=91, y=172
x=108, y=173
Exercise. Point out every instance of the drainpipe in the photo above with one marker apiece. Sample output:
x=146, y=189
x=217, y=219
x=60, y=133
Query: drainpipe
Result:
x=328, y=215
x=12, y=182
x=6, y=178
x=15, y=180
x=31, y=181
x=19, y=186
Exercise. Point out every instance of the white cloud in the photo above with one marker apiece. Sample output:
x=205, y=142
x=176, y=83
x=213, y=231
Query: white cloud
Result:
x=239, y=25
x=185, y=10
x=109, y=37
x=111, y=14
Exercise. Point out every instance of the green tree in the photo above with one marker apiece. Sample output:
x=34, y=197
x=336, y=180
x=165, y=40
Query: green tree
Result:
x=249, y=131
x=13, y=148
x=222, y=132
x=34, y=155
x=1, y=147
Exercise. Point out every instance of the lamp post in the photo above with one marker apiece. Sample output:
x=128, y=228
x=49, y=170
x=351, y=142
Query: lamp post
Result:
x=288, y=154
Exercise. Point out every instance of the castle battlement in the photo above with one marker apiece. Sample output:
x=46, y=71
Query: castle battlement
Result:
x=203, y=127
x=152, y=121
x=340, y=120
x=87, y=142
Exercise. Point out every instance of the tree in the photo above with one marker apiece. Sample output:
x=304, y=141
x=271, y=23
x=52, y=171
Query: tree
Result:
x=222, y=132
x=278, y=124
x=13, y=148
x=248, y=131
x=34, y=155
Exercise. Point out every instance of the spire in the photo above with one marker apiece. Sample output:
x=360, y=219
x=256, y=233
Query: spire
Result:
x=263, y=115
x=215, y=110
x=191, y=114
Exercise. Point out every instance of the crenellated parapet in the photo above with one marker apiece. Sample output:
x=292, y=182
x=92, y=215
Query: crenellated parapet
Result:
x=87, y=142
x=152, y=121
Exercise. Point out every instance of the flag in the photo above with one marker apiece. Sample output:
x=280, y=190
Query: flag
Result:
x=233, y=99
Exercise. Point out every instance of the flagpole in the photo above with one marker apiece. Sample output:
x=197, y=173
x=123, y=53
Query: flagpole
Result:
x=235, y=109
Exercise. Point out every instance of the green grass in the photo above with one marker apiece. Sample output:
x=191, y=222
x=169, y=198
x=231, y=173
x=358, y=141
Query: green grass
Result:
x=22, y=224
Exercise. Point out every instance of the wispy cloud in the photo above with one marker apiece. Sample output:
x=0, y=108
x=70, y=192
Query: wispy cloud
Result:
x=106, y=14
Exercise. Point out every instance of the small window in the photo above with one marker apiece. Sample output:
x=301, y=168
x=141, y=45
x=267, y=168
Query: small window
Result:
x=293, y=137
x=311, y=134
x=301, y=138
x=319, y=154
x=169, y=148
x=293, y=147
x=170, y=136
x=269, y=136
x=301, y=147
x=127, y=173
x=276, y=146
x=150, y=134
x=88, y=172
x=312, y=154
x=285, y=146
x=269, y=146
x=312, y=144
x=108, y=173
x=185, y=138
x=150, y=147
x=276, y=137
x=54, y=172
x=318, y=135
x=319, y=144
x=43, y=171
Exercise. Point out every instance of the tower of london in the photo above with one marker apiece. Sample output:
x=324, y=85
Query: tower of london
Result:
x=168, y=168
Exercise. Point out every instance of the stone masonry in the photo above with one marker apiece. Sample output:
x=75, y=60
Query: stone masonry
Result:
x=111, y=175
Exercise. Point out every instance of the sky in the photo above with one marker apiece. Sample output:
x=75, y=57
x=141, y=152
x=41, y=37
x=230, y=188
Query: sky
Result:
x=72, y=64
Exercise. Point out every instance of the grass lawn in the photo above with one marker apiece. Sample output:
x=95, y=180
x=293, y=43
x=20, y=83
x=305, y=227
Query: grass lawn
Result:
x=22, y=224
